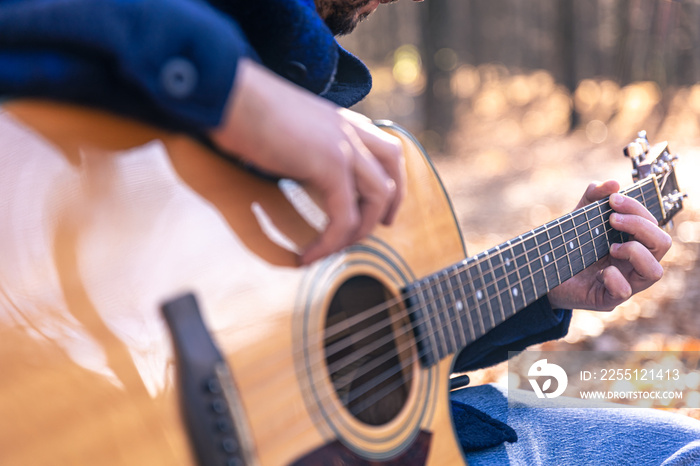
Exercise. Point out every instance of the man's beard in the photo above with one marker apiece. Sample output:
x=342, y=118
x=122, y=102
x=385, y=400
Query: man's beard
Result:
x=341, y=15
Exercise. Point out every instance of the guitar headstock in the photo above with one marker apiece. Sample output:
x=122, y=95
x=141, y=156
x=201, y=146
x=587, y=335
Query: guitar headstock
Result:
x=658, y=162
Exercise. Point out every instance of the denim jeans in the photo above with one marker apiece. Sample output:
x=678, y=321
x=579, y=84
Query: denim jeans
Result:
x=580, y=435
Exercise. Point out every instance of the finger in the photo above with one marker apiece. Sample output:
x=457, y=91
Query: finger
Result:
x=338, y=193
x=628, y=205
x=375, y=192
x=646, y=232
x=645, y=265
x=356, y=198
x=388, y=151
x=597, y=191
x=616, y=287
x=335, y=236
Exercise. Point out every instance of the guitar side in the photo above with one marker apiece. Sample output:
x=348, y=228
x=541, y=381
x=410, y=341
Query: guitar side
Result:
x=105, y=219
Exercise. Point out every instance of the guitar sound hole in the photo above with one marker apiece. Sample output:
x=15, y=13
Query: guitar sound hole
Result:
x=368, y=351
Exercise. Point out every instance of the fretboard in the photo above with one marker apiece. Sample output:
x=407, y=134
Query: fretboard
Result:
x=459, y=304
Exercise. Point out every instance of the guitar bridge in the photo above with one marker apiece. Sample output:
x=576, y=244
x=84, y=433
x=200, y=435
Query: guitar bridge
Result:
x=207, y=391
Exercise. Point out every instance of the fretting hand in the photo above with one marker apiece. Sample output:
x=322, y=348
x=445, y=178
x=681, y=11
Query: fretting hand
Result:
x=629, y=268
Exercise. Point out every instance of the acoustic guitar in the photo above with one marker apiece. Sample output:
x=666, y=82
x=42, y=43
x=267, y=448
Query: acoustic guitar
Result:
x=152, y=310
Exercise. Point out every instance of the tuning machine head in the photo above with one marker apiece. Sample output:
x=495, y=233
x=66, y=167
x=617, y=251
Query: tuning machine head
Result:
x=637, y=151
x=657, y=163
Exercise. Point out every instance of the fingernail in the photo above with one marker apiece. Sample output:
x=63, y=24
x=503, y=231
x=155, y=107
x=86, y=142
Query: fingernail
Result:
x=615, y=217
x=616, y=199
x=614, y=247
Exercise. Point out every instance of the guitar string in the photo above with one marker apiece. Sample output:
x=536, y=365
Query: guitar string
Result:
x=394, y=353
x=364, y=315
x=366, y=387
x=388, y=338
x=383, y=306
x=530, y=276
x=369, y=385
x=481, y=258
x=585, y=257
x=398, y=351
x=358, y=318
x=387, y=390
x=402, y=316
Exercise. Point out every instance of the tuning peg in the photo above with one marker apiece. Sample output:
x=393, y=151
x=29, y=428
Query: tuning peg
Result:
x=635, y=151
x=643, y=140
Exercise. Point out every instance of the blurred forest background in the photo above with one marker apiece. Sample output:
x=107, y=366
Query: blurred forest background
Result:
x=522, y=103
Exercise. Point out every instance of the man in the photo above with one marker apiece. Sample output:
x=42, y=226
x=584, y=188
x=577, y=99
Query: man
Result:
x=254, y=77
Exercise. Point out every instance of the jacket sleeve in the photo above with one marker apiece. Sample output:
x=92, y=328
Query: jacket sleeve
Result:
x=174, y=60
x=536, y=323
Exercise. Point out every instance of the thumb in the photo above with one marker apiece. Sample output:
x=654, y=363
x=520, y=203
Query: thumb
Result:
x=597, y=191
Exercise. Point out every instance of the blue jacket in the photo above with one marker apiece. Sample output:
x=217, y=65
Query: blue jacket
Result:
x=170, y=61
x=174, y=62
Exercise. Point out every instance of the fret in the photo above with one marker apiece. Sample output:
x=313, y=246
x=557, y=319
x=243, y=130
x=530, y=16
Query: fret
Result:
x=654, y=205
x=527, y=283
x=437, y=319
x=612, y=235
x=480, y=293
x=656, y=208
x=585, y=239
x=454, y=306
x=464, y=315
x=514, y=288
x=472, y=304
x=648, y=196
x=556, y=237
x=600, y=232
x=499, y=287
x=643, y=198
x=520, y=270
x=513, y=278
x=593, y=230
x=422, y=326
x=539, y=276
x=512, y=274
x=553, y=275
x=635, y=192
x=572, y=245
x=448, y=306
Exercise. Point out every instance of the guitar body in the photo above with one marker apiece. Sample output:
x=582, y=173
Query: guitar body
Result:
x=104, y=219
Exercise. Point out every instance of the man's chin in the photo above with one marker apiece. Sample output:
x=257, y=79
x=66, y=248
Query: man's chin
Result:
x=343, y=16
x=347, y=25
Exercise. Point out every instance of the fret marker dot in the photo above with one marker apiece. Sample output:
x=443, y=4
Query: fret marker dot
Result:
x=507, y=261
x=546, y=257
x=571, y=245
x=479, y=295
x=515, y=292
x=459, y=306
x=597, y=231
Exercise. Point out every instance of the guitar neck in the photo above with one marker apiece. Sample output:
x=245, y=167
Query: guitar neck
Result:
x=459, y=304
